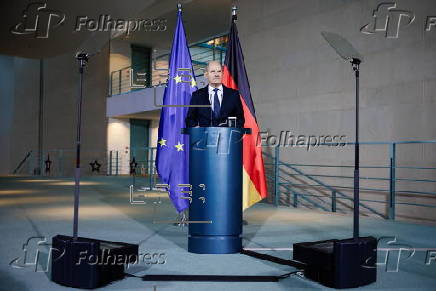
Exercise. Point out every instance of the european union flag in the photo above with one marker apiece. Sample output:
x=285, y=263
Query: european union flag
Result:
x=172, y=157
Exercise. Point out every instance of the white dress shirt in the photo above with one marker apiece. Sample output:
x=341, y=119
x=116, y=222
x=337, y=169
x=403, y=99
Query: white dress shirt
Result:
x=212, y=94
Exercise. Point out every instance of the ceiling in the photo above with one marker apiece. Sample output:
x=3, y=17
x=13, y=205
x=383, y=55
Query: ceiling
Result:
x=149, y=115
x=202, y=19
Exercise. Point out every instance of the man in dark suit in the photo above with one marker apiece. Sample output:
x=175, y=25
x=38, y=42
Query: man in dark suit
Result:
x=224, y=102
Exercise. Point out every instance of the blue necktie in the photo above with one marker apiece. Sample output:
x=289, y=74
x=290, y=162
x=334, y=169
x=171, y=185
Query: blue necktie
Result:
x=216, y=104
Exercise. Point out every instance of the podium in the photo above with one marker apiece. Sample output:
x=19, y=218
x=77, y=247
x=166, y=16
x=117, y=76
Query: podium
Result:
x=215, y=173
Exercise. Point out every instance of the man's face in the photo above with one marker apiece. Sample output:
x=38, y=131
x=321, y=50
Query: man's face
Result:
x=214, y=74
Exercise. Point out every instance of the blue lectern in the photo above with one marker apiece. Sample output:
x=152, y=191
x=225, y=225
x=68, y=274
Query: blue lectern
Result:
x=215, y=173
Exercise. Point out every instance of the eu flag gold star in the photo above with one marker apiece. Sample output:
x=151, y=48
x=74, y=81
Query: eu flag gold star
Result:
x=193, y=83
x=162, y=142
x=179, y=146
x=178, y=79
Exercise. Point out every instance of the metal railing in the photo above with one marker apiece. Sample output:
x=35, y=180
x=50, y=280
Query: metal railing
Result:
x=61, y=163
x=291, y=181
x=22, y=162
x=145, y=167
x=125, y=79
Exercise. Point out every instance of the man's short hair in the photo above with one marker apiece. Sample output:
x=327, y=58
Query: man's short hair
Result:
x=209, y=62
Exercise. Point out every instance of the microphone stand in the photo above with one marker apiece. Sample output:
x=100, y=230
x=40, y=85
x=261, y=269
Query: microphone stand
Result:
x=82, y=58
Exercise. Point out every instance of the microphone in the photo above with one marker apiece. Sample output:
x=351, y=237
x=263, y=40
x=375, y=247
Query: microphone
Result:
x=83, y=57
x=80, y=55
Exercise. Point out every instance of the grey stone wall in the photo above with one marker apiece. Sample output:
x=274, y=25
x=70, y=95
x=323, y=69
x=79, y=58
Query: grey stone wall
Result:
x=300, y=84
x=7, y=87
x=21, y=99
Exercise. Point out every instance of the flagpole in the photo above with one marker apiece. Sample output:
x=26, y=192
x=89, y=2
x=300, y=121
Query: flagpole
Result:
x=234, y=18
x=234, y=15
x=177, y=92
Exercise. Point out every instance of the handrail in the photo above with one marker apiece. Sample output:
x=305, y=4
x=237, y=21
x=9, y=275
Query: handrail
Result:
x=283, y=181
x=306, y=199
x=331, y=188
x=22, y=162
x=345, y=177
x=123, y=86
x=365, y=189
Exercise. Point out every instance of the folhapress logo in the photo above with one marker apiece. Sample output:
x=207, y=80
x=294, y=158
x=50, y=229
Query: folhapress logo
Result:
x=38, y=20
x=387, y=19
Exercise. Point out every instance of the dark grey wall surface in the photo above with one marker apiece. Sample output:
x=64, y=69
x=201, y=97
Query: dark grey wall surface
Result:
x=300, y=84
x=7, y=86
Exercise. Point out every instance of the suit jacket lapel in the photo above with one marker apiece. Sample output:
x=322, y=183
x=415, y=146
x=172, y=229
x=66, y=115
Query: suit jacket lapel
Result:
x=205, y=100
x=206, y=96
x=225, y=101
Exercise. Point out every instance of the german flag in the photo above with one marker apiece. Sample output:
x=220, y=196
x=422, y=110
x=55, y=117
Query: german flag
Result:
x=235, y=77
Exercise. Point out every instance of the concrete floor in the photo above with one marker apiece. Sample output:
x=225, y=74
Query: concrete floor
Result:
x=42, y=207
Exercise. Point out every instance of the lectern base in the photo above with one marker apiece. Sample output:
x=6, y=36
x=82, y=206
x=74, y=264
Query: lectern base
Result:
x=203, y=244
